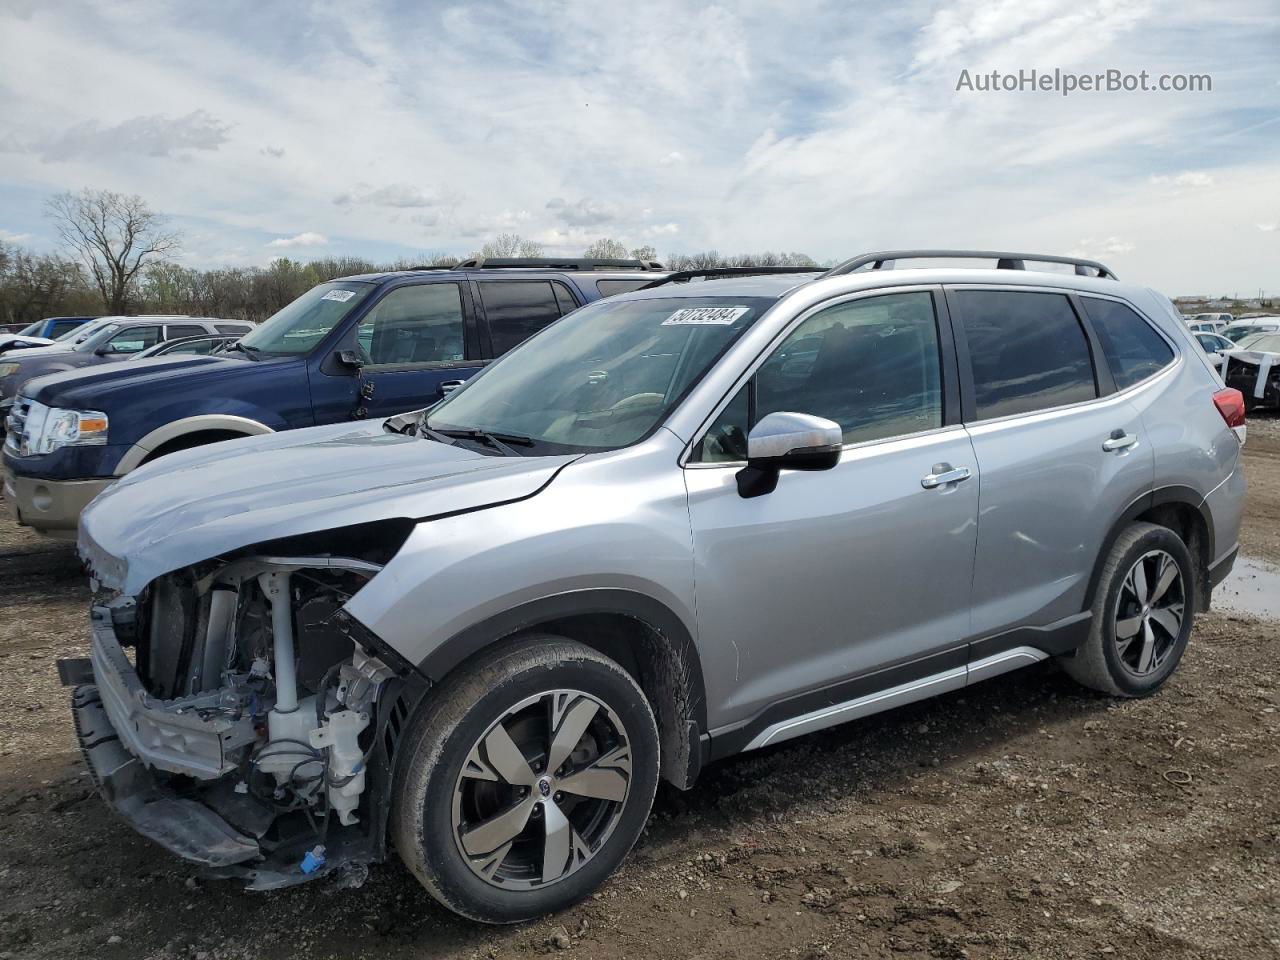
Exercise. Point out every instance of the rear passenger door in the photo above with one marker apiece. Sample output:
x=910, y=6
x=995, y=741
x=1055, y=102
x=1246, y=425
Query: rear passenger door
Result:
x=1060, y=456
x=515, y=309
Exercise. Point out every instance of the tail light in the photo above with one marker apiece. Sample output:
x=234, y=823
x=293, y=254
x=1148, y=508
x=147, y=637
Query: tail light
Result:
x=1230, y=403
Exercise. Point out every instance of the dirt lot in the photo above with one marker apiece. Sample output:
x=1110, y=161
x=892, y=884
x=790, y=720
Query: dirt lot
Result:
x=1019, y=818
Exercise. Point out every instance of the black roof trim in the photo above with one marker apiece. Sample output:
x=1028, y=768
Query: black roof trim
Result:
x=683, y=276
x=550, y=263
x=884, y=259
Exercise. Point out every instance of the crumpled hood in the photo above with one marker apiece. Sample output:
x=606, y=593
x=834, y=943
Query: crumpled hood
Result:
x=200, y=503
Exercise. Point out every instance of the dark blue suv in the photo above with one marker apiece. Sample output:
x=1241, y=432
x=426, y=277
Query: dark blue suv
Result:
x=364, y=346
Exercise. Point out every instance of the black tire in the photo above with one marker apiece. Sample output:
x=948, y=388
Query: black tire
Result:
x=450, y=725
x=1100, y=663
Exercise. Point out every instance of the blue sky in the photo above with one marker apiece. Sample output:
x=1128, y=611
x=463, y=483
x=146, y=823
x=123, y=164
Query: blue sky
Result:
x=397, y=129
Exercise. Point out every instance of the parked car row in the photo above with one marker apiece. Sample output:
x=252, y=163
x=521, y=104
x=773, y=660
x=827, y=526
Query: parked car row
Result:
x=41, y=332
x=712, y=512
x=363, y=346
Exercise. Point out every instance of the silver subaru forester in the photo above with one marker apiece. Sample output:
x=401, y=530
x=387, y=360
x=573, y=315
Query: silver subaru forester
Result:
x=701, y=518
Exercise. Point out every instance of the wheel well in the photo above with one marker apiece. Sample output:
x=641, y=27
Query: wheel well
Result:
x=1189, y=524
x=666, y=669
x=188, y=440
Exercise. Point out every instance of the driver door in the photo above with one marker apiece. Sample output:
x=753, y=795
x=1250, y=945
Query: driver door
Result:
x=416, y=343
x=854, y=579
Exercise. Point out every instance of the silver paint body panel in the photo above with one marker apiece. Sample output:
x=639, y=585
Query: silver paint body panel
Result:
x=827, y=578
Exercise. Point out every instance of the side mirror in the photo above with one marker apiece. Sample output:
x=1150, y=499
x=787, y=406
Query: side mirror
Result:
x=350, y=358
x=787, y=441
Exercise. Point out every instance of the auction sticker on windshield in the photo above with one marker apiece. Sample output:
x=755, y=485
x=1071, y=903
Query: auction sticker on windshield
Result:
x=716, y=316
x=342, y=296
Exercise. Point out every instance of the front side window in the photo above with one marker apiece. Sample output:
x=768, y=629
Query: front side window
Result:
x=517, y=309
x=62, y=327
x=603, y=377
x=1027, y=351
x=300, y=326
x=1133, y=350
x=418, y=324
x=872, y=365
x=133, y=340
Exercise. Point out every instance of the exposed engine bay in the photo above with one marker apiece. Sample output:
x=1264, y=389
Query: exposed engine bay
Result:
x=234, y=713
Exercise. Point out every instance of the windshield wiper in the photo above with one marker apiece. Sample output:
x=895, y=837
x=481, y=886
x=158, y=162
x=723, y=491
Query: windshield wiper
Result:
x=499, y=441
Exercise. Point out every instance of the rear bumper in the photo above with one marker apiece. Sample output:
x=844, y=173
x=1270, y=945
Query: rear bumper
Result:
x=51, y=507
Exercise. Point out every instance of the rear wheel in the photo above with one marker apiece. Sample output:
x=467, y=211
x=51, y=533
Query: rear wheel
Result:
x=529, y=776
x=1142, y=614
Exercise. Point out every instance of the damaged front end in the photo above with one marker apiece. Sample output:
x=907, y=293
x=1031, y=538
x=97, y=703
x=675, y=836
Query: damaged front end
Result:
x=235, y=714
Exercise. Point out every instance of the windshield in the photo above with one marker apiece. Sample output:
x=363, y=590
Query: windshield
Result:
x=1266, y=343
x=304, y=323
x=1235, y=333
x=602, y=377
x=30, y=330
x=96, y=337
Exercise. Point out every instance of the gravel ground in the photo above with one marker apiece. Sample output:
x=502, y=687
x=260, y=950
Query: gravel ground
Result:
x=1020, y=818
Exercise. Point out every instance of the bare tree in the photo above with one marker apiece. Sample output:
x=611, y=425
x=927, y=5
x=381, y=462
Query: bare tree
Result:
x=606, y=249
x=511, y=245
x=644, y=253
x=115, y=235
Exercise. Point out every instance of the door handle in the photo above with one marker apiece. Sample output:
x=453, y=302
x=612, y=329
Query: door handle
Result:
x=944, y=473
x=1119, y=440
x=450, y=385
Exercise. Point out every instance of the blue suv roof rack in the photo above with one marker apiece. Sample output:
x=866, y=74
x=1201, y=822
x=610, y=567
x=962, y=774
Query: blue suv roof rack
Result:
x=555, y=263
x=884, y=260
x=682, y=276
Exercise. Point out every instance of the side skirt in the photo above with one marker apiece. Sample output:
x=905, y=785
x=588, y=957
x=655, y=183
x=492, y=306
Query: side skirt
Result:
x=978, y=660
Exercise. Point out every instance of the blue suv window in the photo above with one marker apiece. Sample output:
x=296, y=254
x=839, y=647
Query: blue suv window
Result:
x=517, y=309
x=418, y=324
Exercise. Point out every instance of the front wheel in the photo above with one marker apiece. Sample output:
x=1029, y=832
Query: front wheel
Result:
x=1142, y=614
x=528, y=778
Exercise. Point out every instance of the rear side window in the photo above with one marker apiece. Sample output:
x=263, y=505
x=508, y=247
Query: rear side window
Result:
x=62, y=326
x=1028, y=351
x=607, y=288
x=176, y=331
x=230, y=328
x=1133, y=350
x=517, y=309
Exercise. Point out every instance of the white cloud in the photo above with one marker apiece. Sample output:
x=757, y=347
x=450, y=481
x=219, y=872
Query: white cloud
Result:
x=307, y=239
x=1192, y=178
x=10, y=236
x=1269, y=227
x=726, y=127
x=150, y=136
x=1106, y=247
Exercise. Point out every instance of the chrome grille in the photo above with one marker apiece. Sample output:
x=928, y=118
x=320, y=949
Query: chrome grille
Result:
x=15, y=439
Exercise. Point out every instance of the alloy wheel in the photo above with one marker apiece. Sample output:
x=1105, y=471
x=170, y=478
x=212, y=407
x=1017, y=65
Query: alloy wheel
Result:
x=542, y=790
x=1149, y=613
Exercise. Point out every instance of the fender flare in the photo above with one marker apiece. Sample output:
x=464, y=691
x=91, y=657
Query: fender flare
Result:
x=1174, y=494
x=654, y=614
x=180, y=428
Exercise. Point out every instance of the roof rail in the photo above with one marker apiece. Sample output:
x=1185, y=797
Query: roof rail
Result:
x=683, y=276
x=556, y=263
x=884, y=259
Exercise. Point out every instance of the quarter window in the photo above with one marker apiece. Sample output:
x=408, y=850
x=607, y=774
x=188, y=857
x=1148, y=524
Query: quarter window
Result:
x=415, y=324
x=609, y=288
x=517, y=309
x=871, y=365
x=176, y=331
x=1027, y=351
x=1133, y=350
